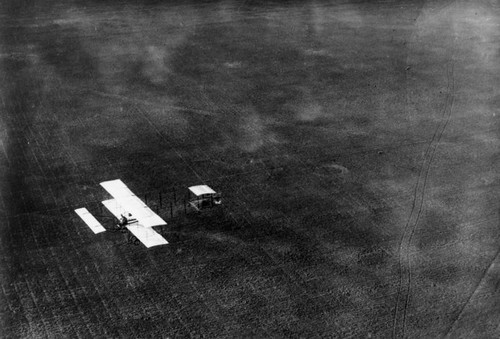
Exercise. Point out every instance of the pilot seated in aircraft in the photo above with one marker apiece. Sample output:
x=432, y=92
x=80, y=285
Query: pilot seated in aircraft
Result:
x=124, y=221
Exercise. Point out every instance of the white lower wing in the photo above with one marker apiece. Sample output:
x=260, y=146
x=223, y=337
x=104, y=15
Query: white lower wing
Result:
x=90, y=220
x=140, y=211
x=146, y=235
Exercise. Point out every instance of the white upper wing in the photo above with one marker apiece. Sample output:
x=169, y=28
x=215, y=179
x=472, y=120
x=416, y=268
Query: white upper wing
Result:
x=130, y=203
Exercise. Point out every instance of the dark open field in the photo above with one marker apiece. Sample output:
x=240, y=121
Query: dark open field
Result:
x=356, y=144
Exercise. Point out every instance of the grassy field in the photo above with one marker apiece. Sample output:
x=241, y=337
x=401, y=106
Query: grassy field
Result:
x=356, y=145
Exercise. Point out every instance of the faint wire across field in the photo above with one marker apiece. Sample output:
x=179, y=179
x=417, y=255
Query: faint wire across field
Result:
x=405, y=274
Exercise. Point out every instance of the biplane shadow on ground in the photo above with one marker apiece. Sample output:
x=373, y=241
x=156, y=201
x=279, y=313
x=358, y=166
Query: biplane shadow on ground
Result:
x=202, y=198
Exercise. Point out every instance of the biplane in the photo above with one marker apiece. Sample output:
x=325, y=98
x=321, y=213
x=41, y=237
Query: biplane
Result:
x=133, y=214
x=203, y=197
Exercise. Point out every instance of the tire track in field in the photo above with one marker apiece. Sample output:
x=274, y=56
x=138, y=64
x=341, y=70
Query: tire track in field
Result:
x=481, y=287
x=404, y=252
